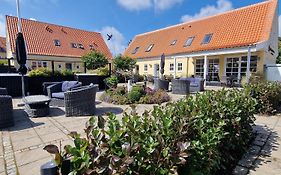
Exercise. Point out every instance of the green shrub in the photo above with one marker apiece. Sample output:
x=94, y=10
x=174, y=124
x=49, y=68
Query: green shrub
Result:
x=103, y=71
x=40, y=72
x=202, y=134
x=111, y=81
x=3, y=62
x=267, y=94
x=67, y=73
x=134, y=96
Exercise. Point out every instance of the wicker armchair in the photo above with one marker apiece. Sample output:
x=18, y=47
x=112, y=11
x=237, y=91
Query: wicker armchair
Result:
x=181, y=87
x=57, y=91
x=196, y=84
x=6, y=109
x=161, y=84
x=80, y=101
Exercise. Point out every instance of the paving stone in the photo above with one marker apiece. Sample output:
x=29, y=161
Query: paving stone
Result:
x=247, y=160
x=34, y=167
x=254, y=150
x=2, y=166
x=46, y=130
x=21, y=136
x=54, y=137
x=26, y=157
x=239, y=170
x=258, y=143
x=20, y=145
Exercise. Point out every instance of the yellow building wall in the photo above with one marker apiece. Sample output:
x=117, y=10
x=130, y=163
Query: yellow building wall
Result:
x=189, y=64
x=2, y=55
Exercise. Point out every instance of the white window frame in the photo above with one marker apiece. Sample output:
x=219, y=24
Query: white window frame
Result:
x=201, y=72
x=172, y=67
x=178, y=66
x=145, y=67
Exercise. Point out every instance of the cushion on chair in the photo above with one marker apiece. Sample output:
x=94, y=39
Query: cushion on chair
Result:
x=59, y=95
x=67, y=85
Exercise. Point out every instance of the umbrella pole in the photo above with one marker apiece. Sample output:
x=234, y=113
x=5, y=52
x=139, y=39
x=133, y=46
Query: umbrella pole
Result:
x=20, y=30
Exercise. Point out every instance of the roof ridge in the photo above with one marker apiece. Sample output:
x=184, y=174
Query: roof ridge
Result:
x=207, y=17
x=72, y=28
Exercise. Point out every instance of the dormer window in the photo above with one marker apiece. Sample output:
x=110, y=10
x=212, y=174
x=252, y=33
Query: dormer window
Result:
x=173, y=42
x=149, y=47
x=57, y=42
x=207, y=38
x=91, y=47
x=81, y=46
x=73, y=45
x=189, y=41
x=136, y=50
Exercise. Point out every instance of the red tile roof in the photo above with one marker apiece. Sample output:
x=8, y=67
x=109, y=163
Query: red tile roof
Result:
x=40, y=38
x=2, y=44
x=236, y=28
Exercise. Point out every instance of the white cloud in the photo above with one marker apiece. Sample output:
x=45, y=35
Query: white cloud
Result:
x=2, y=25
x=279, y=23
x=137, y=5
x=221, y=6
x=165, y=4
x=117, y=44
x=32, y=19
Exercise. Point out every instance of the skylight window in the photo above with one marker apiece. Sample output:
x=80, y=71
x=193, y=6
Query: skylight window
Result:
x=81, y=46
x=57, y=42
x=136, y=50
x=207, y=38
x=149, y=47
x=189, y=41
x=173, y=42
x=91, y=47
x=73, y=45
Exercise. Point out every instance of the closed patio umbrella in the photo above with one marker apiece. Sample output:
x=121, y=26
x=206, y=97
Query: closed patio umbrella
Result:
x=162, y=65
x=21, y=51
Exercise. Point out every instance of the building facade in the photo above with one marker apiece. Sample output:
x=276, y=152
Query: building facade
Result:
x=233, y=43
x=54, y=45
x=2, y=47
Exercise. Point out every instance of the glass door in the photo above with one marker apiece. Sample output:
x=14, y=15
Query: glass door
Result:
x=213, y=70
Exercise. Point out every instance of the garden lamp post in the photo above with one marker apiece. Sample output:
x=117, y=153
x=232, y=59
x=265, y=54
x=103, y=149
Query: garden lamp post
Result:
x=21, y=50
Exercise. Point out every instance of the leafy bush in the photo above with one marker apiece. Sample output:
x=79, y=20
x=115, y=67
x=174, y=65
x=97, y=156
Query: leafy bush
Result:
x=40, y=72
x=137, y=95
x=111, y=81
x=3, y=62
x=134, y=96
x=103, y=71
x=43, y=72
x=67, y=73
x=124, y=64
x=267, y=94
x=94, y=60
x=204, y=134
x=155, y=97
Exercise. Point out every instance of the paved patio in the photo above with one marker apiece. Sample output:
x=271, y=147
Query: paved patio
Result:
x=21, y=147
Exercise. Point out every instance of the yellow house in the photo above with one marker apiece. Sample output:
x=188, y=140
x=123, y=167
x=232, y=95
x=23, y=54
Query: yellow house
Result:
x=233, y=43
x=54, y=46
x=2, y=47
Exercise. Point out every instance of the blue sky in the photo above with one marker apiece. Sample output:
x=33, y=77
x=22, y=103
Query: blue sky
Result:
x=122, y=18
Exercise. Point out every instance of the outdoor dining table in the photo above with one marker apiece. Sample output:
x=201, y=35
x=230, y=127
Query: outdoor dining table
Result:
x=37, y=105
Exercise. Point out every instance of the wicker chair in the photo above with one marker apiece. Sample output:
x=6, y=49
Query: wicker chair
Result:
x=196, y=84
x=57, y=89
x=181, y=87
x=6, y=109
x=80, y=101
x=161, y=84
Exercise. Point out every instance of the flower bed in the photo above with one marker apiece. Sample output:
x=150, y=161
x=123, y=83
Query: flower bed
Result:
x=138, y=94
x=202, y=134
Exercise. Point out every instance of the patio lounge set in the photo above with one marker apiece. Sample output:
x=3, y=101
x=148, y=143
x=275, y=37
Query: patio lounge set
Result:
x=181, y=86
x=78, y=100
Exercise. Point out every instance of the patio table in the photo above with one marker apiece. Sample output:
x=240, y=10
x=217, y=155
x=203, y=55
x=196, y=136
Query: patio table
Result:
x=37, y=105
